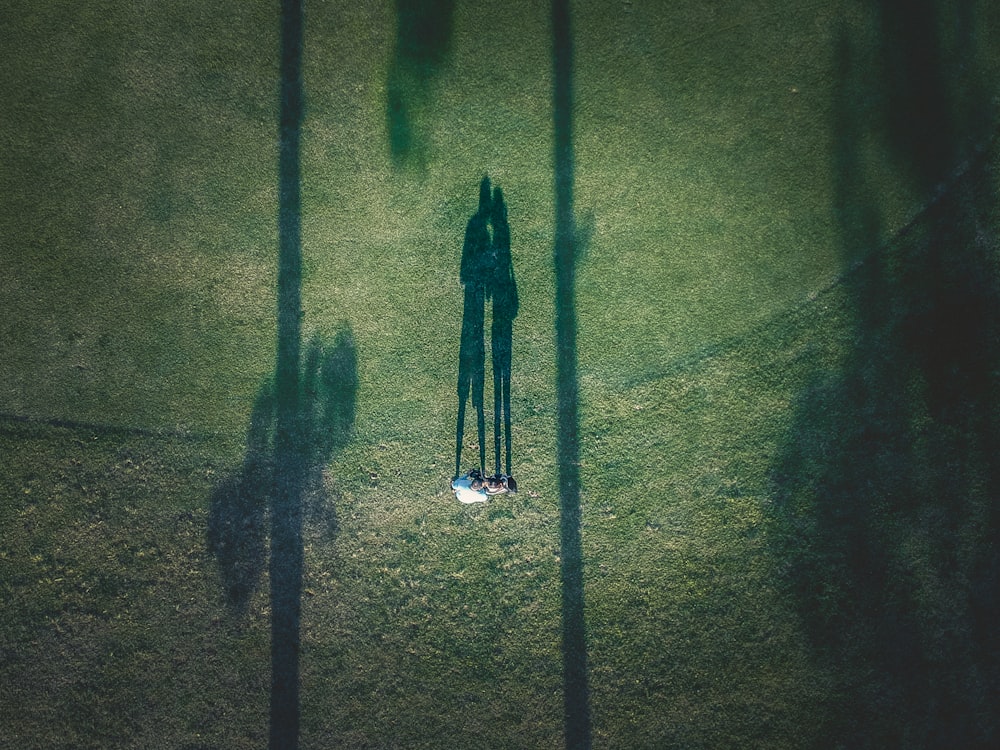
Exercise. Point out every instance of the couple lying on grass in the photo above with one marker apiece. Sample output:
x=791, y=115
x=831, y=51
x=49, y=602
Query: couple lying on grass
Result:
x=473, y=487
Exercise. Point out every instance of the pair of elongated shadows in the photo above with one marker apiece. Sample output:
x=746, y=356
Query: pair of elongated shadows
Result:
x=487, y=275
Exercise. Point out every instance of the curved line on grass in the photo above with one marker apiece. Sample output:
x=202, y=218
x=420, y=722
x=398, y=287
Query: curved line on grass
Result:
x=942, y=190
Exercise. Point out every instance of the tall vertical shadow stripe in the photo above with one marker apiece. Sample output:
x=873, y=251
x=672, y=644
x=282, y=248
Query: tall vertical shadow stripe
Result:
x=487, y=274
x=574, y=645
x=289, y=460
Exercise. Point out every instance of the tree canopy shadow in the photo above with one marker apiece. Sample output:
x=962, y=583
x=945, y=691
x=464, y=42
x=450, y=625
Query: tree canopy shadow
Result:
x=423, y=42
x=885, y=490
x=487, y=275
x=503, y=288
x=241, y=502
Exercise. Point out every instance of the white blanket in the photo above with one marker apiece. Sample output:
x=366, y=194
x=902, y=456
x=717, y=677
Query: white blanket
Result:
x=464, y=492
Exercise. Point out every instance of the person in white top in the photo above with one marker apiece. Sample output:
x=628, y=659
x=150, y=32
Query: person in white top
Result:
x=470, y=487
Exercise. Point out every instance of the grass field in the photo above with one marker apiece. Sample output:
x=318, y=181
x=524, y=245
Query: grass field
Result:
x=788, y=353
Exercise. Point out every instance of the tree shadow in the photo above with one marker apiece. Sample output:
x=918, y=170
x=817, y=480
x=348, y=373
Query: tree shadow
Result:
x=297, y=423
x=423, y=41
x=884, y=490
x=242, y=502
x=237, y=534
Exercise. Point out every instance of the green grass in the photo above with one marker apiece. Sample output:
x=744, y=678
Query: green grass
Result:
x=719, y=329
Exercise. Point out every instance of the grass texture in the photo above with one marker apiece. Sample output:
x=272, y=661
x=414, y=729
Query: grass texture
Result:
x=789, y=531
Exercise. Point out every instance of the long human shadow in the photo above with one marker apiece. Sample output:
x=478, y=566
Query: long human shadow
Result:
x=503, y=289
x=423, y=41
x=475, y=269
x=885, y=486
x=576, y=692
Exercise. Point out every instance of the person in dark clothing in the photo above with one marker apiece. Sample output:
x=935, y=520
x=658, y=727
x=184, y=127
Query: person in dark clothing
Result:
x=474, y=273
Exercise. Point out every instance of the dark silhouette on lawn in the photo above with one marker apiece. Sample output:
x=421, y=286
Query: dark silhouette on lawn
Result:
x=886, y=488
x=237, y=531
x=289, y=458
x=423, y=41
x=503, y=287
x=237, y=534
x=576, y=693
x=330, y=385
x=474, y=273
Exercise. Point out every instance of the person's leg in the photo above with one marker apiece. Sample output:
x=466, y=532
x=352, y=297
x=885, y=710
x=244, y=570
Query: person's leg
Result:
x=506, y=419
x=477, y=399
x=463, y=391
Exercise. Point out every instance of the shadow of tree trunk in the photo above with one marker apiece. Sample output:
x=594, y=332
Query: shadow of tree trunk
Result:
x=576, y=691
